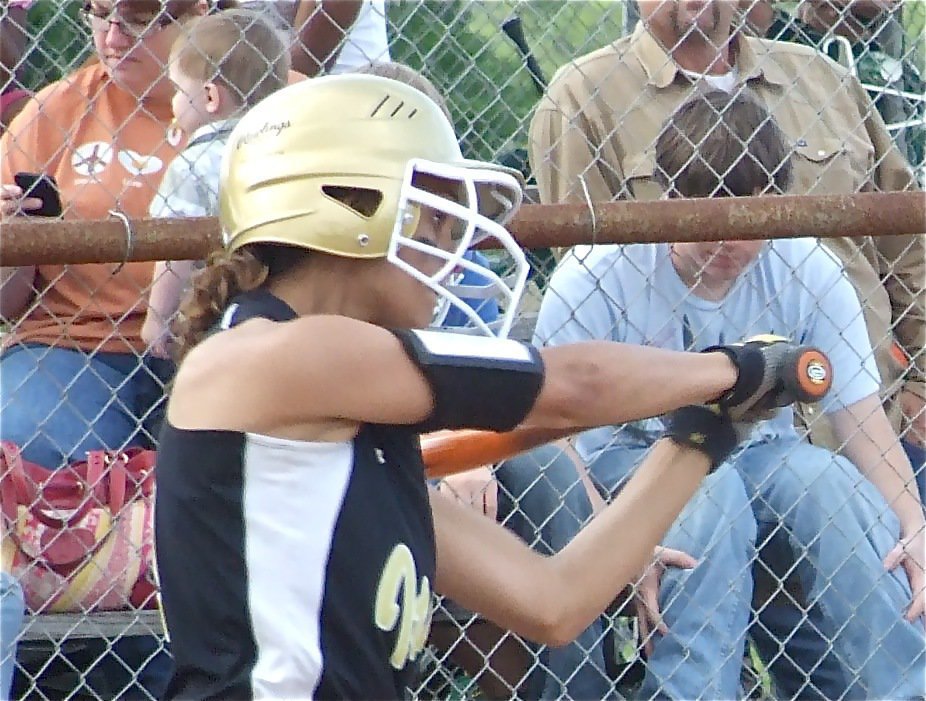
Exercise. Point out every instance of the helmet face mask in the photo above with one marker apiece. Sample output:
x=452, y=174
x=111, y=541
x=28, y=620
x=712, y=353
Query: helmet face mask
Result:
x=469, y=226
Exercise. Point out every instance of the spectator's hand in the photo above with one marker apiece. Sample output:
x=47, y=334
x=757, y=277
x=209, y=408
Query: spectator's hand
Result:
x=12, y=201
x=646, y=593
x=156, y=336
x=913, y=407
x=758, y=15
x=474, y=488
x=910, y=553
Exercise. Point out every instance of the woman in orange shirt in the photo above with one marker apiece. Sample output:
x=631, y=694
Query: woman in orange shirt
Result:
x=74, y=370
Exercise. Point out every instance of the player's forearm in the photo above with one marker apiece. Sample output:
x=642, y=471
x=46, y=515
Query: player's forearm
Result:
x=615, y=546
x=487, y=569
x=600, y=383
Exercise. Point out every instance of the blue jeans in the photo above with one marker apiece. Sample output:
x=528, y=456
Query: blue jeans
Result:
x=917, y=457
x=816, y=510
x=58, y=403
x=541, y=499
x=836, y=529
x=11, y=620
x=705, y=608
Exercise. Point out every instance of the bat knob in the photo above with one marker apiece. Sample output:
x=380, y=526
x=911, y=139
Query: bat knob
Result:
x=807, y=374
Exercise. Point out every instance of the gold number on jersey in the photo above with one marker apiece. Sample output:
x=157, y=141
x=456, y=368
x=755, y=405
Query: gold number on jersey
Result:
x=403, y=601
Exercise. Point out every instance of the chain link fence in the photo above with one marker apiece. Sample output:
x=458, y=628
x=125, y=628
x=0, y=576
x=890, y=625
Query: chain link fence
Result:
x=790, y=597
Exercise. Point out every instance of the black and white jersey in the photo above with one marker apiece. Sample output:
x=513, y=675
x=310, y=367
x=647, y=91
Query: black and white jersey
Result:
x=303, y=570
x=293, y=570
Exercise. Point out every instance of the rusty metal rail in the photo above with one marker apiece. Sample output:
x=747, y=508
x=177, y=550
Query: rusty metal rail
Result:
x=32, y=241
x=788, y=216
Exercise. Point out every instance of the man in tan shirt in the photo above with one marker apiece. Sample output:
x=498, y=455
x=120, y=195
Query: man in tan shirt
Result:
x=603, y=111
x=592, y=137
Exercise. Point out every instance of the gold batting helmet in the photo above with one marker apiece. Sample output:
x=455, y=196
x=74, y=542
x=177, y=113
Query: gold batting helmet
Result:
x=296, y=162
x=292, y=155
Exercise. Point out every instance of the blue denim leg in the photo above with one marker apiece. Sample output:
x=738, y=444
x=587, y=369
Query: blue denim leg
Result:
x=840, y=529
x=542, y=500
x=706, y=608
x=11, y=621
x=58, y=403
x=917, y=457
x=798, y=654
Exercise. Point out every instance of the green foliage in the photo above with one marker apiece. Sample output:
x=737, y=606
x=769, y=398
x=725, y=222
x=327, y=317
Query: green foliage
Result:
x=460, y=46
x=914, y=21
x=61, y=41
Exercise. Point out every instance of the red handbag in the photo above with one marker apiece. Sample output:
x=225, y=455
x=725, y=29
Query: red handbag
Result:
x=80, y=538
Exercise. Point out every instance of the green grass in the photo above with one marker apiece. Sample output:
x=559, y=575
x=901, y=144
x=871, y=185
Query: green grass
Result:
x=914, y=21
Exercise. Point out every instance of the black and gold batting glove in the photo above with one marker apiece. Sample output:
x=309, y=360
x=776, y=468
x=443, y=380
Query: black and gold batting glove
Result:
x=761, y=363
x=772, y=373
x=717, y=428
x=707, y=428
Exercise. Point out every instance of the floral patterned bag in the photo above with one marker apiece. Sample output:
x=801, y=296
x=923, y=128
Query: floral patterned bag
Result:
x=79, y=538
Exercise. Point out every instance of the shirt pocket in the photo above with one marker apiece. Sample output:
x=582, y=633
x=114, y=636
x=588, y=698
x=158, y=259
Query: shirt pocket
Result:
x=824, y=165
x=639, y=170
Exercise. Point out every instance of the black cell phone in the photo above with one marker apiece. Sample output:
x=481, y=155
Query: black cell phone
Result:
x=45, y=188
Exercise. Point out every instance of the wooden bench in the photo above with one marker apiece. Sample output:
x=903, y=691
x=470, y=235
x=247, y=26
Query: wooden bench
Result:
x=100, y=624
x=75, y=655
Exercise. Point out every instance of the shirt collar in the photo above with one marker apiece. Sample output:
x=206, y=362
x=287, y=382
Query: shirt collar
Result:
x=213, y=127
x=753, y=59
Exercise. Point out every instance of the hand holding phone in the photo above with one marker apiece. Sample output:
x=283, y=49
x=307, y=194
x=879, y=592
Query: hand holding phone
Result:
x=43, y=187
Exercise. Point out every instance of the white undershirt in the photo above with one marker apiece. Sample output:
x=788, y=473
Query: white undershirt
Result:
x=725, y=81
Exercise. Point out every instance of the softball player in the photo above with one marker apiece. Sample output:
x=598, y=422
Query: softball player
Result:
x=298, y=545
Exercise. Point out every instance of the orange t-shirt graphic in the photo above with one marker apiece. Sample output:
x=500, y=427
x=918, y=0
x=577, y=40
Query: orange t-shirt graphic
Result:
x=108, y=151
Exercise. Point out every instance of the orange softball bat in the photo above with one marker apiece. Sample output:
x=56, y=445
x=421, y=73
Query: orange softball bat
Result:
x=448, y=452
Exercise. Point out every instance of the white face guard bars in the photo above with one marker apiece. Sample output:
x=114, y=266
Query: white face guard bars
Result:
x=472, y=226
